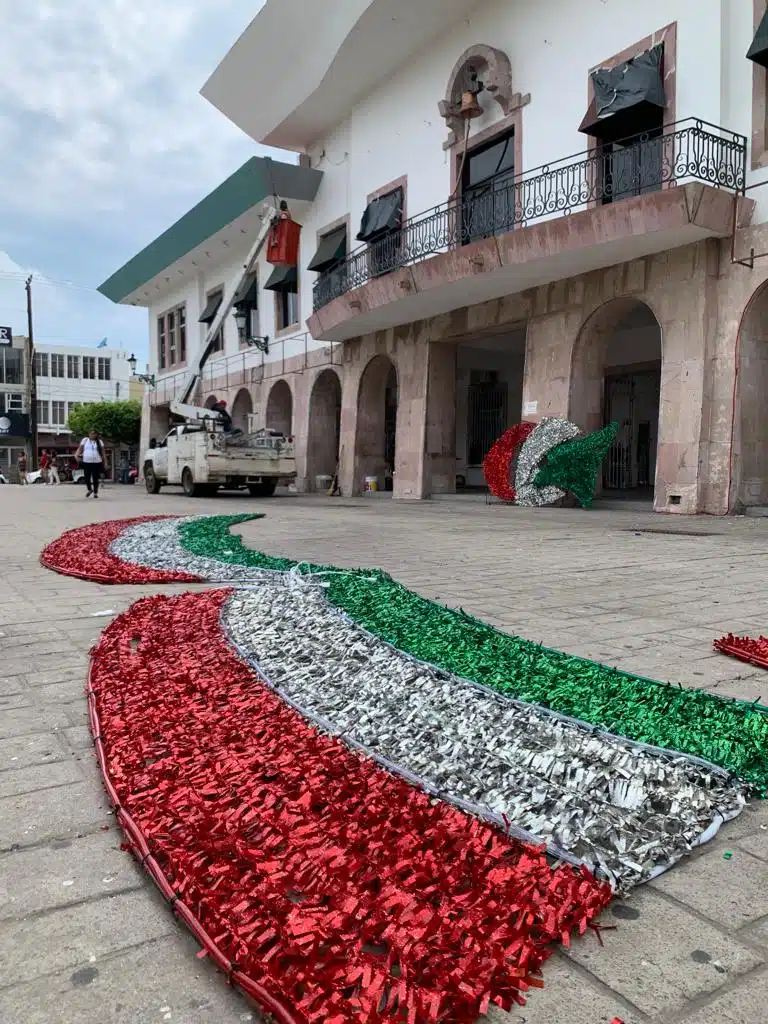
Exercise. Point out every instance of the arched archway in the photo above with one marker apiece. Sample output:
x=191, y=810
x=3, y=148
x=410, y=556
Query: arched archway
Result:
x=616, y=375
x=377, y=401
x=324, y=426
x=280, y=408
x=210, y=401
x=241, y=408
x=750, y=429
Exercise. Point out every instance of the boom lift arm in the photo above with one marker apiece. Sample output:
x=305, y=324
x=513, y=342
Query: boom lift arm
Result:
x=179, y=407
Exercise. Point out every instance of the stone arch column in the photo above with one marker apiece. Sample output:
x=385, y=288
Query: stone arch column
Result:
x=749, y=460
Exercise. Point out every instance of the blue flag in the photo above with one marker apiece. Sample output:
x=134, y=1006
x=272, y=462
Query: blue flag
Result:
x=102, y=343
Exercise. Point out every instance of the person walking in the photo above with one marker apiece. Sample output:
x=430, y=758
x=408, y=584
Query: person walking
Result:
x=44, y=460
x=91, y=454
x=53, y=469
x=21, y=465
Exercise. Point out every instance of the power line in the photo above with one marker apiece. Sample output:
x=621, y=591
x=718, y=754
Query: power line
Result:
x=14, y=275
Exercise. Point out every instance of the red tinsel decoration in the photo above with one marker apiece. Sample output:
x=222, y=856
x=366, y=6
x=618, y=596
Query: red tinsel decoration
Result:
x=84, y=552
x=318, y=881
x=745, y=648
x=497, y=464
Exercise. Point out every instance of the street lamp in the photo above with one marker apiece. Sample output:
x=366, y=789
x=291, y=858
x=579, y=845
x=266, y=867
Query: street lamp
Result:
x=242, y=319
x=144, y=378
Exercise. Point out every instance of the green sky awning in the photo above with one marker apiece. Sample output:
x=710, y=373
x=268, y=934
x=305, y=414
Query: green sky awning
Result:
x=249, y=186
x=758, y=51
x=211, y=308
x=283, y=279
x=248, y=292
x=332, y=249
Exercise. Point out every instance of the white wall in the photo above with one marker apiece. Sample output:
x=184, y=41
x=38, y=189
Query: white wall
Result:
x=74, y=390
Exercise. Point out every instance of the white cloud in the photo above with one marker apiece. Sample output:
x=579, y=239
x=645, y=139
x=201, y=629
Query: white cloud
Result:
x=104, y=138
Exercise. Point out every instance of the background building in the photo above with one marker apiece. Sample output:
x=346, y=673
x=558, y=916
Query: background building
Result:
x=68, y=375
x=14, y=402
x=569, y=248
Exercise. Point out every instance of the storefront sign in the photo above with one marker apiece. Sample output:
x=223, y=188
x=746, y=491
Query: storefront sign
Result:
x=14, y=424
x=6, y=335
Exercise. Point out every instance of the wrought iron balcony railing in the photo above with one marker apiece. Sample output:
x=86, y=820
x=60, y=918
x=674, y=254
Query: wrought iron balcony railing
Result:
x=687, y=151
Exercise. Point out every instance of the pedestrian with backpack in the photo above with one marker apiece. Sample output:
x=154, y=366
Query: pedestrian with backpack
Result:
x=91, y=454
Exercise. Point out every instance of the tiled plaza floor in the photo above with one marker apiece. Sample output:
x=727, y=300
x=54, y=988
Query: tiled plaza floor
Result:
x=83, y=937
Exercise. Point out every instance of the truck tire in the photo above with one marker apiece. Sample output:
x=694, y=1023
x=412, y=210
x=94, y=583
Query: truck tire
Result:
x=191, y=489
x=150, y=480
x=263, y=490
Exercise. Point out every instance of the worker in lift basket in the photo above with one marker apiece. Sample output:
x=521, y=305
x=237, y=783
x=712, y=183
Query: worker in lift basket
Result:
x=221, y=408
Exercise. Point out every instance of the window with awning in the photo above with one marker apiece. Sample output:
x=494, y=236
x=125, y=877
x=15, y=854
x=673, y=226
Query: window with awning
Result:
x=758, y=51
x=331, y=250
x=211, y=308
x=283, y=279
x=248, y=292
x=382, y=216
x=628, y=99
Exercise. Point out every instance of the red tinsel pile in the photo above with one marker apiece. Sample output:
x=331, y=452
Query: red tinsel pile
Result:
x=84, y=552
x=498, y=463
x=319, y=881
x=745, y=648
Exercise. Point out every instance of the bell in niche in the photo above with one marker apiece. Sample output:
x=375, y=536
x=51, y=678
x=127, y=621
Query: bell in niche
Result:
x=470, y=108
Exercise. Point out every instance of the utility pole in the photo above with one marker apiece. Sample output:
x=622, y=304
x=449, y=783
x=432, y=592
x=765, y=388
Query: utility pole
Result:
x=32, y=386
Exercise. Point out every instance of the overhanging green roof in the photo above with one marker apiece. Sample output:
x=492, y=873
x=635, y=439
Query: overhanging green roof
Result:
x=254, y=182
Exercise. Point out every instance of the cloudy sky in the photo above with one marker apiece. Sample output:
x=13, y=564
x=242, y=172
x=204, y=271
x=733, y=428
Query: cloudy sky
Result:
x=104, y=142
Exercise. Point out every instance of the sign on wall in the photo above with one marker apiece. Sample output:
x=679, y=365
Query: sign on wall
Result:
x=6, y=335
x=14, y=424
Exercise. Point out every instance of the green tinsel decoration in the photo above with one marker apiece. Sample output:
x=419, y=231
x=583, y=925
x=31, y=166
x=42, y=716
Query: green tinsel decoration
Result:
x=733, y=734
x=573, y=466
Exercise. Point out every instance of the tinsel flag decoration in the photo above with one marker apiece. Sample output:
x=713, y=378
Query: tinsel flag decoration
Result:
x=549, y=459
x=745, y=648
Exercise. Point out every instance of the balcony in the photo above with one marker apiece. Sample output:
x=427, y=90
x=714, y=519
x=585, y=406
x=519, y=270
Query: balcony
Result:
x=594, y=209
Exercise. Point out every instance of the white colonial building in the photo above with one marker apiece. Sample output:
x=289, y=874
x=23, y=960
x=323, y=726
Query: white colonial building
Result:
x=508, y=211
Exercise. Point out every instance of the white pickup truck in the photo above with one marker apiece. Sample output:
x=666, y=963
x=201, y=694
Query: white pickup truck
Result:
x=202, y=458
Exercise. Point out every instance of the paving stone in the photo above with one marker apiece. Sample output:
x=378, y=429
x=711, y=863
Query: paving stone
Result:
x=660, y=955
x=34, y=748
x=16, y=781
x=743, y=1005
x=51, y=814
x=161, y=981
x=64, y=872
x=59, y=693
x=79, y=737
x=20, y=721
x=80, y=936
x=733, y=891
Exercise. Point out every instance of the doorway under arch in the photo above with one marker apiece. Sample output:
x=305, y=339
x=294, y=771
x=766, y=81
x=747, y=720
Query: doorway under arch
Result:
x=750, y=429
x=242, y=407
x=375, y=441
x=324, y=426
x=616, y=376
x=280, y=408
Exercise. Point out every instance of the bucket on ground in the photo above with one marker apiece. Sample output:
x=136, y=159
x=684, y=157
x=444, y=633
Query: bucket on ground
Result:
x=322, y=482
x=371, y=484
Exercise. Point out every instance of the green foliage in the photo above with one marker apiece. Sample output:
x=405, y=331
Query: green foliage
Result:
x=115, y=421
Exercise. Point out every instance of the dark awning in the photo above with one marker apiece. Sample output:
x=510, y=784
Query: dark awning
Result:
x=758, y=51
x=283, y=279
x=628, y=98
x=332, y=249
x=211, y=308
x=382, y=215
x=248, y=292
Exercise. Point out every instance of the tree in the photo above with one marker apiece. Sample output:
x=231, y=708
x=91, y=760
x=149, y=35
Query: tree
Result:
x=119, y=422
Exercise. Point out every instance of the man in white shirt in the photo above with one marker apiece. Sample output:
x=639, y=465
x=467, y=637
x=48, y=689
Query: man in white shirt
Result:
x=91, y=454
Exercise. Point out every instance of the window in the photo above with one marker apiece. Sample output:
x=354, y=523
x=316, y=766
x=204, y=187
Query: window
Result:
x=41, y=364
x=58, y=414
x=171, y=338
x=487, y=190
x=381, y=228
x=89, y=367
x=57, y=365
x=42, y=411
x=213, y=301
x=105, y=368
x=11, y=366
x=73, y=368
x=14, y=402
x=287, y=310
